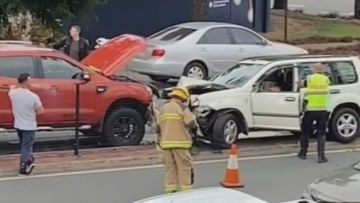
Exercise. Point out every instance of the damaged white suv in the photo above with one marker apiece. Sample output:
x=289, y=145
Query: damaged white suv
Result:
x=265, y=93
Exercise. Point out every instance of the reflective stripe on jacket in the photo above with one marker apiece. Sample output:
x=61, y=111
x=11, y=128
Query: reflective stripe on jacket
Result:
x=316, y=93
x=173, y=120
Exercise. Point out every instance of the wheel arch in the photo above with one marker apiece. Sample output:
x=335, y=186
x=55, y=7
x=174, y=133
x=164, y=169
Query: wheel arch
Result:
x=125, y=102
x=351, y=105
x=244, y=126
x=333, y=135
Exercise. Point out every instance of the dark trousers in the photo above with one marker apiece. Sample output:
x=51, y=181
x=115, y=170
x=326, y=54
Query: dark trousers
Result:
x=26, y=139
x=321, y=118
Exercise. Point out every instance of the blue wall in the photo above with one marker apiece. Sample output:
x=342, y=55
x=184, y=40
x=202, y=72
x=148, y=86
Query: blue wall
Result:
x=145, y=17
x=237, y=11
x=142, y=17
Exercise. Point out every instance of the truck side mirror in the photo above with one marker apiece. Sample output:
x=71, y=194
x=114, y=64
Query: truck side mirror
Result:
x=85, y=76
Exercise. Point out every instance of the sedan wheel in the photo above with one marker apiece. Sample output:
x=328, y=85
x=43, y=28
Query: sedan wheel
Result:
x=195, y=70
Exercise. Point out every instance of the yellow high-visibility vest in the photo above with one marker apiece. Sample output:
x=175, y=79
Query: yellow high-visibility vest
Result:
x=317, y=91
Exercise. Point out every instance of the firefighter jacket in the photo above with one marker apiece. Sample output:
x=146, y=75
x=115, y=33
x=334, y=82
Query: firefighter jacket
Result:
x=174, y=121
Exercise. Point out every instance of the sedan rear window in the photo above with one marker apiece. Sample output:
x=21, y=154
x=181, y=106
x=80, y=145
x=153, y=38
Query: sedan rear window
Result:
x=173, y=34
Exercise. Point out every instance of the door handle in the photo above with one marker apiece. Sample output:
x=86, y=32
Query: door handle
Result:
x=290, y=99
x=5, y=87
x=203, y=49
x=335, y=91
x=51, y=88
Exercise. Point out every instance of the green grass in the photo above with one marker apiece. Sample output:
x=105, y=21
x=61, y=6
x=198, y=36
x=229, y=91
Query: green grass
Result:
x=302, y=27
x=337, y=29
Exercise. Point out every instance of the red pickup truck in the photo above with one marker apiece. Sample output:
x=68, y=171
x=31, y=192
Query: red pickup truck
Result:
x=110, y=104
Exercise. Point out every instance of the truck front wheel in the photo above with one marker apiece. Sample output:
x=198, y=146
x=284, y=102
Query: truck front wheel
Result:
x=124, y=126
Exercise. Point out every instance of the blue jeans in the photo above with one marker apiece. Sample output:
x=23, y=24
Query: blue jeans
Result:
x=26, y=139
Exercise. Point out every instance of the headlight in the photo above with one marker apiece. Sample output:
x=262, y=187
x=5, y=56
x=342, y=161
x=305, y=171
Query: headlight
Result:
x=149, y=90
x=195, y=102
x=202, y=111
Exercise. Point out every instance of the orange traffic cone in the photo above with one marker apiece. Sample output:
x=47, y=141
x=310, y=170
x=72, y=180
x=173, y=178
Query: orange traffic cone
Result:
x=232, y=178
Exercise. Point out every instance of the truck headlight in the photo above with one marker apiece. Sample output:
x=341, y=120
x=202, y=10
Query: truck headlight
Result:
x=150, y=91
x=202, y=111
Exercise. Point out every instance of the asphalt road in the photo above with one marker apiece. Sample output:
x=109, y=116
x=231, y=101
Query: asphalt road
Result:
x=272, y=179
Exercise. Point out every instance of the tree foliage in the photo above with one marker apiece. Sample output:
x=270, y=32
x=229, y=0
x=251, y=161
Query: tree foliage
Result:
x=47, y=11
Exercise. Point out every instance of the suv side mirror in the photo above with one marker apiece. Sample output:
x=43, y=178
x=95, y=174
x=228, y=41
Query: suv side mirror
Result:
x=255, y=87
x=265, y=42
x=85, y=76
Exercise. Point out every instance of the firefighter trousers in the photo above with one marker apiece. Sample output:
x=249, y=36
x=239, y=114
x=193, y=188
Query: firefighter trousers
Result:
x=178, y=166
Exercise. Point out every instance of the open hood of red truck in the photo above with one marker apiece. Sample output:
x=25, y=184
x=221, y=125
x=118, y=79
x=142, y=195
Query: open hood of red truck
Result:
x=115, y=54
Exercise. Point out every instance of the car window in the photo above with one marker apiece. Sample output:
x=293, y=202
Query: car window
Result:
x=173, y=34
x=55, y=68
x=279, y=79
x=162, y=32
x=342, y=72
x=238, y=75
x=216, y=36
x=242, y=36
x=12, y=67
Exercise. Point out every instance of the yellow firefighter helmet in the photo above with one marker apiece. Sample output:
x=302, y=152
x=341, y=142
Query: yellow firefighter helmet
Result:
x=180, y=92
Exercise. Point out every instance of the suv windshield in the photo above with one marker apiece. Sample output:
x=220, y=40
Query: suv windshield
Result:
x=238, y=75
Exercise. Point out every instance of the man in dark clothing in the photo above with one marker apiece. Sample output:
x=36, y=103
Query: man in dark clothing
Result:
x=75, y=46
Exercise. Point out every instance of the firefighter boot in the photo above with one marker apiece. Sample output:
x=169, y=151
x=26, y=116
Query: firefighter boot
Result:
x=321, y=149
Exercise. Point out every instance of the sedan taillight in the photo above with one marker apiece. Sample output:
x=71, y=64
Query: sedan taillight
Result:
x=158, y=53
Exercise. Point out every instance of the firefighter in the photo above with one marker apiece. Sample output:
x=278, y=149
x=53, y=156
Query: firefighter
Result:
x=317, y=90
x=174, y=121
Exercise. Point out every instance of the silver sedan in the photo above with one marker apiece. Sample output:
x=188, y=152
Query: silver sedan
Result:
x=202, y=49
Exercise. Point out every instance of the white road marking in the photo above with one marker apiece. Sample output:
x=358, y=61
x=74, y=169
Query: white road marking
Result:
x=160, y=165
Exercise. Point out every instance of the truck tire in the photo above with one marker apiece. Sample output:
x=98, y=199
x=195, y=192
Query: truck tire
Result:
x=345, y=125
x=225, y=131
x=124, y=126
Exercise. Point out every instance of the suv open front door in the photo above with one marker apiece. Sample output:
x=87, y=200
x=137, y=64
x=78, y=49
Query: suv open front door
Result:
x=276, y=101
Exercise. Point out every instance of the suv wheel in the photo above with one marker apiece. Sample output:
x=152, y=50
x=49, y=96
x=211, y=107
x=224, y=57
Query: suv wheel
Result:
x=124, y=126
x=226, y=130
x=345, y=125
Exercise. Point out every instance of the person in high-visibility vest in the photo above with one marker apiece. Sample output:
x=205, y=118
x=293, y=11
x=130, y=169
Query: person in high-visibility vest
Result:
x=315, y=98
x=174, y=121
